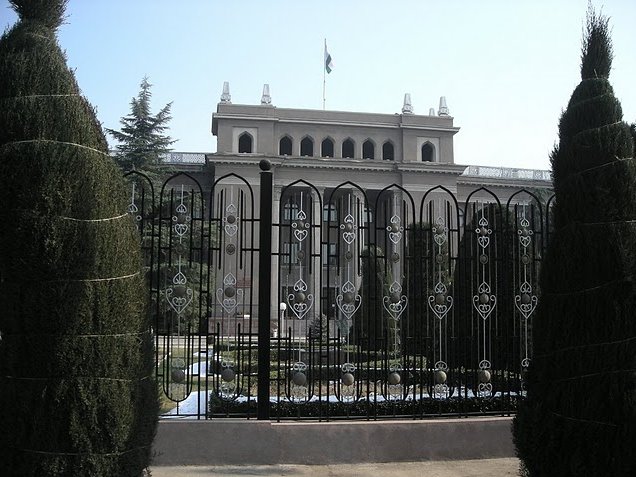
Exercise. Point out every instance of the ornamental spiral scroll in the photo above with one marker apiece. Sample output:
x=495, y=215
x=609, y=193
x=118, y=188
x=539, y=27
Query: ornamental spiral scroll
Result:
x=396, y=302
x=179, y=295
x=300, y=301
x=229, y=296
x=525, y=300
x=181, y=218
x=440, y=302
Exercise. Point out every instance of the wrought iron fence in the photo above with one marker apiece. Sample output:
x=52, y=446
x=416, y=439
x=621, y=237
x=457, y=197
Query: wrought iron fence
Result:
x=339, y=302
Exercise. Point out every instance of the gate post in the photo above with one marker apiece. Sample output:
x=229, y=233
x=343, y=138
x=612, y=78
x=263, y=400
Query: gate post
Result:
x=264, y=288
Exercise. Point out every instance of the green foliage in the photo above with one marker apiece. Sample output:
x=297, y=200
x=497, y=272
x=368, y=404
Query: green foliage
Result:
x=429, y=265
x=370, y=324
x=596, y=51
x=76, y=353
x=48, y=12
x=141, y=139
x=363, y=409
x=579, y=417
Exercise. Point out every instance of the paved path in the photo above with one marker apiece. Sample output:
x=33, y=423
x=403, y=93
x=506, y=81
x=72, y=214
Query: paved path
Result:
x=457, y=468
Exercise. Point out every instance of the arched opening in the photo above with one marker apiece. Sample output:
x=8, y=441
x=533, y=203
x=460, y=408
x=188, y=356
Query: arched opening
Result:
x=368, y=150
x=245, y=143
x=326, y=148
x=428, y=152
x=387, y=151
x=285, y=146
x=348, y=147
x=307, y=146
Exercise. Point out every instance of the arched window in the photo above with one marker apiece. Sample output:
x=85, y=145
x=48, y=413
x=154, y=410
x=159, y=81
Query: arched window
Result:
x=428, y=152
x=245, y=143
x=348, y=147
x=307, y=146
x=387, y=151
x=326, y=148
x=368, y=150
x=285, y=146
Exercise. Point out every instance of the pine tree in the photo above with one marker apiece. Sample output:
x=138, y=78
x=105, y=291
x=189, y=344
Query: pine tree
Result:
x=142, y=140
x=579, y=416
x=76, y=358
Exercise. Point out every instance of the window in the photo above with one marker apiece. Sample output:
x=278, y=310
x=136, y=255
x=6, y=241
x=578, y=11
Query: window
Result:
x=290, y=252
x=329, y=254
x=428, y=152
x=368, y=215
x=387, y=151
x=326, y=148
x=290, y=212
x=348, y=147
x=285, y=146
x=368, y=150
x=329, y=213
x=245, y=143
x=307, y=146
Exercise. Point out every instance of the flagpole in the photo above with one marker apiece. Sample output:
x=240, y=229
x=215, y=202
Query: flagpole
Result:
x=324, y=77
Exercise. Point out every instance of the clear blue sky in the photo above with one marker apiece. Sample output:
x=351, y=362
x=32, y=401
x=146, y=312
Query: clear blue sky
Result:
x=507, y=68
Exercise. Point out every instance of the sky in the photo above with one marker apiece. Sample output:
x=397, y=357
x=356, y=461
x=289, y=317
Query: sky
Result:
x=507, y=68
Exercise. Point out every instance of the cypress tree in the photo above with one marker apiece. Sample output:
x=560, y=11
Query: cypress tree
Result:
x=579, y=415
x=370, y=322
x=76, y=353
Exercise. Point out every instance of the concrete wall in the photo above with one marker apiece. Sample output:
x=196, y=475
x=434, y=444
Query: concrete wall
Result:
x=232, y=442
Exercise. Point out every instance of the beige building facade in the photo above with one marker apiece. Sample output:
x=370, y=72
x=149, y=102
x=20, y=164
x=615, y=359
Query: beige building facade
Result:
x=388, y=163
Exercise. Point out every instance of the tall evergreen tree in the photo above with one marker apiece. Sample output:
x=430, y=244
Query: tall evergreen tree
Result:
x=76, y=358
x=370, y=323
x=579, y=416
x=428, y=275
x=141, y=139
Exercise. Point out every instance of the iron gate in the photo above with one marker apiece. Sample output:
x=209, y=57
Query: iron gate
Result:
x=339, y=302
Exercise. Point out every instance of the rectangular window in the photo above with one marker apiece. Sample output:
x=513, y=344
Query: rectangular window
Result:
x=329, y=254
x=329, y=213
x=290, y=253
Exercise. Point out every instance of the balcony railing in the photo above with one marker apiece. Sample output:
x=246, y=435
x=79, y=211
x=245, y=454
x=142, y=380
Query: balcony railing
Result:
x=508, y=173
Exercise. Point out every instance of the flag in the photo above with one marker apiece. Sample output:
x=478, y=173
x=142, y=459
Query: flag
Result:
x=328, y=62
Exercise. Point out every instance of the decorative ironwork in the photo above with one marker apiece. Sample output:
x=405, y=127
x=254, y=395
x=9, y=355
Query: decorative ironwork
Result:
x=301, y=228
x=395, y=386
x=396, y=302
x=227, y=385
x=202, y=254
x=230, y=220
x=229, y=297
x=132, y=207
x=440, y=302
x=349, y=300
x=300, y=301
x=348, y=228
x=179, y=295
x=181, y=219
x=484, y=388
x=484, y=302
x=299, y=389
x=395, y=229
x=440, y=388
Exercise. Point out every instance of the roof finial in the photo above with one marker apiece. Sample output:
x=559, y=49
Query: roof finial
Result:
x=225, y=97
x=443, y=109
x=266, y=99
x=431, y=112
x=407, y=108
